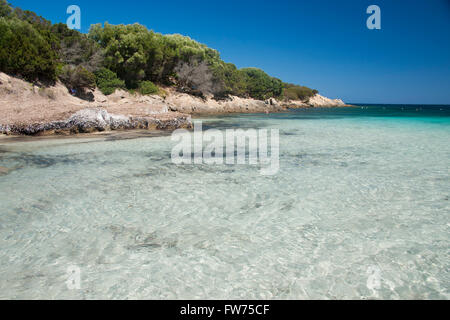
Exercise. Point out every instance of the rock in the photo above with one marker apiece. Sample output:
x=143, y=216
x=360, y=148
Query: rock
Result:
x=273, y=102
x=88, y=119
x=5, y=129
x=4, y=171
x=98, y=119
x=4, y=78
x=321, y=101
x=118, y=122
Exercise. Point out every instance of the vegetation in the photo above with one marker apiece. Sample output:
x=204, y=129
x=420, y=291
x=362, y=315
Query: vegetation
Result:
x=260, y=85
x=25, y=52
x=294, y=92
x=77, y=49
x=197, y=79
x=107, y=81
x=147, y=87
x=77, y=77
x=126, y=56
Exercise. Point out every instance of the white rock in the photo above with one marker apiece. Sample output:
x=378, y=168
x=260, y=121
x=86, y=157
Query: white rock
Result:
x=321, y=101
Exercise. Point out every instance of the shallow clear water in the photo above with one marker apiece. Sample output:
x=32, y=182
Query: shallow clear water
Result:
x=359, y=210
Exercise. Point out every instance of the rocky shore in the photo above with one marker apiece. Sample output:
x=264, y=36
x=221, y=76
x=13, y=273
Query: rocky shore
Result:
x=98, y=120
x=26, y=109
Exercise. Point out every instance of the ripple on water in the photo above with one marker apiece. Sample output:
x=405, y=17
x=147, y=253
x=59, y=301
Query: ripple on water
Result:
x=358, y=210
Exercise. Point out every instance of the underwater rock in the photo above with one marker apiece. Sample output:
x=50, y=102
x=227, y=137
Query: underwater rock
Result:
x=4, y=171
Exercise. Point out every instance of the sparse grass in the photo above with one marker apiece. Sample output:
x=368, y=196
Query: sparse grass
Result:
x=47, y=93
x=162, y=93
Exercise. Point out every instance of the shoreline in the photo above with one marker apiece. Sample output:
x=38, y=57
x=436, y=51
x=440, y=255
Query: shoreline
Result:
x=94, y=125
x=109, y=135
x=29, y=110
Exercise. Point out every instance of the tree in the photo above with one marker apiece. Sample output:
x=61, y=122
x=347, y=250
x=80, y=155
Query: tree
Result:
x=260, y=85
x=125, y=50
x=25, y=52
x=107, y=81
x=5, y=9
x=77, y=49
x=197, y=76
x=126, y=56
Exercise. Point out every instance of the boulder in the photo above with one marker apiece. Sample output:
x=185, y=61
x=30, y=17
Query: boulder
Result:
x=98, y=119
x=5, y=129
x=321, y=101
x=88, y=119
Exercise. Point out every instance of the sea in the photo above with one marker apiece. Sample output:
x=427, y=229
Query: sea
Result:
x=359, y=209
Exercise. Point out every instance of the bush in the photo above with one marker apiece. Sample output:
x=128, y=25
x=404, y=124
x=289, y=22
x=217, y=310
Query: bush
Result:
x=294, y=92
x=260, y=85
x=77, y=49
x=77, y=77
x=147, y=87
x=5, y=9
x=196, y=77
x=107, y=81
x=132, y=57
x=24, y=52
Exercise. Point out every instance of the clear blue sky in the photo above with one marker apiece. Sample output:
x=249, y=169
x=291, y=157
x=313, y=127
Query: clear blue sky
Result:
x=323, y=44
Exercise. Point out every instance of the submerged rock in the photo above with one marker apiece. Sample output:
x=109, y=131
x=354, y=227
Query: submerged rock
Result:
x=4, y=171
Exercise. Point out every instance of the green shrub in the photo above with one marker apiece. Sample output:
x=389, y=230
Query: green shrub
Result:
x=147, y=87
x=107, y=81
x=133, y=57
x=5, y=9
x=294, y=92
x=77, y=77
x=25, y=52
x=260, y=85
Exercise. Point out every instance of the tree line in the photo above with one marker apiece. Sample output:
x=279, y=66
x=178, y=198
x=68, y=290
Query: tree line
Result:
x=126, y=56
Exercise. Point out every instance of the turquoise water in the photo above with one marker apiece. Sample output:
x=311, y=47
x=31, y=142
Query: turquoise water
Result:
x=358, y=210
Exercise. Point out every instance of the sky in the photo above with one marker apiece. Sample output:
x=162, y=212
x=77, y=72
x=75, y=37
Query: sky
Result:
x=322, y=44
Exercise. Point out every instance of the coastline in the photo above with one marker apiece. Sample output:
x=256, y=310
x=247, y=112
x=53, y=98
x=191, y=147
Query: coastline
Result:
x=26, y=109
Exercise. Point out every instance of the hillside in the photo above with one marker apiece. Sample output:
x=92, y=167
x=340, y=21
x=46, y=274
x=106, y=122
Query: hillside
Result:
x=129, y=57
x=49, y=73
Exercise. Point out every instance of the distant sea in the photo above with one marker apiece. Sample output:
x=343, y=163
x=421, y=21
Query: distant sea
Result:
x=360, y=209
